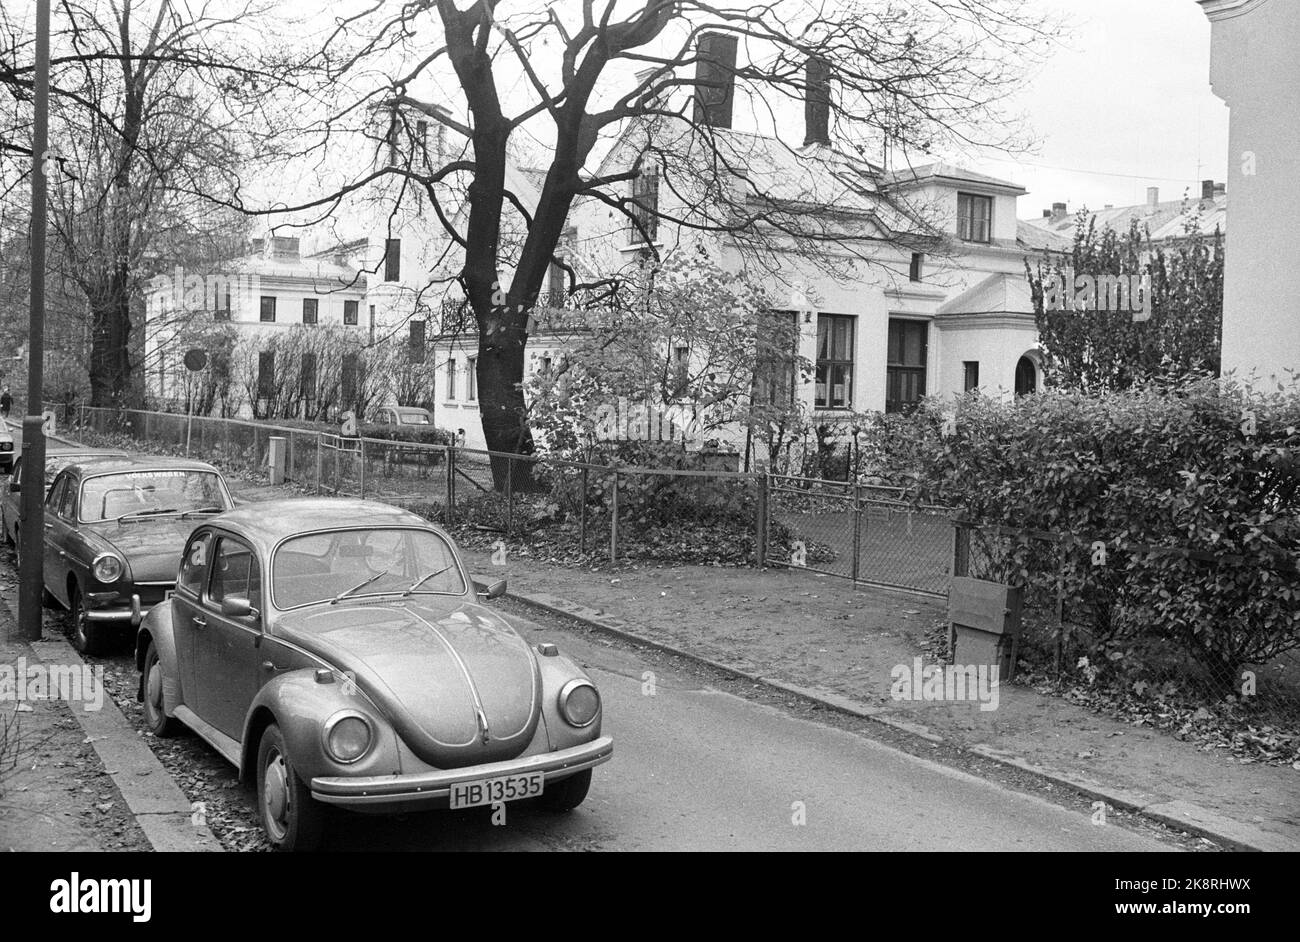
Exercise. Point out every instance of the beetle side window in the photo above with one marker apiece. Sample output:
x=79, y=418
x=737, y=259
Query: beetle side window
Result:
x=234, y=573
x=195, y=563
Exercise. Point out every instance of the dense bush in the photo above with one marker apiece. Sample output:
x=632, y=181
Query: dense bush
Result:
x=1177, y=508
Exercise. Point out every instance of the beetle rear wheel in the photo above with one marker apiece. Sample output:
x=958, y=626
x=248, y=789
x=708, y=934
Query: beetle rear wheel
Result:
x=87, y=637
x=151, y=685
x=567, y=794
x=291, y=818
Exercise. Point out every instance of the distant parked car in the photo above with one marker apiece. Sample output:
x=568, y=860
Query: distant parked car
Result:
x=114, y=529
x=336, y=652
x=57, y=457
x=402, y=415
x=6, y=449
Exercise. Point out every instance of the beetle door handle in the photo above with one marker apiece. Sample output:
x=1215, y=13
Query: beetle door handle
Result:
x=49, y=526
x=200, y=622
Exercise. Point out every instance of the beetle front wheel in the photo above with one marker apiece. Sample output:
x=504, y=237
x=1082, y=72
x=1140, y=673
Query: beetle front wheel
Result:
x=291, y=818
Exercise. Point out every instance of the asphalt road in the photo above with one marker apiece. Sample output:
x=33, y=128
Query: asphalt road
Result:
x=696, y=768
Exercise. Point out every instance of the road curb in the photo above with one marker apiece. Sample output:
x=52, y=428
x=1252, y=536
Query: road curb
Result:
x=154, y=799
x=1181, y=815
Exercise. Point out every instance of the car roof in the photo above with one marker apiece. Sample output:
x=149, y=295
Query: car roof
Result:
x=270, y=521
x=113, y=462
x=63, y=449
x=409, y=409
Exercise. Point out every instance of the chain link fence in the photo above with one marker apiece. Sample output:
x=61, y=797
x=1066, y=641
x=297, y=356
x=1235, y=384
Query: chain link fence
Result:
x=866, y=533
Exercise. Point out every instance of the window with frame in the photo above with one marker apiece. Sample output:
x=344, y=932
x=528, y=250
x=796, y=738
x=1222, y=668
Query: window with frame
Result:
x=556, y=290
x=235, y=573
x=349, y=378
x=417, y=342
x=451, y=377
x=392, y=259
x=308, y=376
x=350, y=312
x=266, y=374
x=471, y=379
x=974, y=217
x=194, y=565
x=266, y=312
x=774, y=373
x=310, y=310
x=223, y=312
x=905, y=364
x=681, y=370
x=834, y=377
x=970, y=375
x=916, y=270
x=644, y=223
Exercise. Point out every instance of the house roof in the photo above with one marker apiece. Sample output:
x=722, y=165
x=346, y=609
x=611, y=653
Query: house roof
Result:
x=999, y=293
x=1165, y=220
x=940, y=170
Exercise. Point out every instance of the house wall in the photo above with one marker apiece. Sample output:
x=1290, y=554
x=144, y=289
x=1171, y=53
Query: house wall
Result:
x=1253, y=68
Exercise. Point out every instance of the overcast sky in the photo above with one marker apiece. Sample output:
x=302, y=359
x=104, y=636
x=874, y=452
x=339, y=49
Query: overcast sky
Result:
x=1126, y=106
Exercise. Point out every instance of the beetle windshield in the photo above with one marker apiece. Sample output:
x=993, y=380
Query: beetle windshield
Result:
x=341, y=564
x=141, y=494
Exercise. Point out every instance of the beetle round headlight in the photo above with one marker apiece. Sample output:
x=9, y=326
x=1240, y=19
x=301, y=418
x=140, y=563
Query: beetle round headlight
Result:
x=107, y=568
x=348, y=737
x=579, y=703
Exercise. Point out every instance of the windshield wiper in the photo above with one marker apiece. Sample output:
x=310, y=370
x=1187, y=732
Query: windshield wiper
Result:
x=155, y=512
x=423, y=579
x=360, y=585
x=204, y=510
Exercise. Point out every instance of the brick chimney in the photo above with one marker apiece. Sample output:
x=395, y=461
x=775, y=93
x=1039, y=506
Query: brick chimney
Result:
x=1153, y=197
x=1058, y=210
x=715, y=76
x=1207, y=189
x=1220, y=189
x=817, y=102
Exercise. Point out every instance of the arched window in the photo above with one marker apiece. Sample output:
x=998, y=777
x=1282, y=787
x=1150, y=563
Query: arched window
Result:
x=1026, y=377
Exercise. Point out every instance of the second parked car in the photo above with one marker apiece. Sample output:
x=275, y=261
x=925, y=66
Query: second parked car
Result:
x=114, y=528
x=57, y=457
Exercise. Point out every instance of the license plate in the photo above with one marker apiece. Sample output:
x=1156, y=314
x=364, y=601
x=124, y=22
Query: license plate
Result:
x=489, y=791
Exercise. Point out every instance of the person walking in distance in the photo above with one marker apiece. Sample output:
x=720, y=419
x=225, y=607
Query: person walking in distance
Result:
x=6, y=402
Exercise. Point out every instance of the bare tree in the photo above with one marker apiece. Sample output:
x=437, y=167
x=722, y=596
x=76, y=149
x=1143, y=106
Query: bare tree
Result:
x=156, y=110
x=916, y=76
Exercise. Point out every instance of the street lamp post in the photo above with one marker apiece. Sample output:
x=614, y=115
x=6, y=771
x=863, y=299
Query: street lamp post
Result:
x=31, y=536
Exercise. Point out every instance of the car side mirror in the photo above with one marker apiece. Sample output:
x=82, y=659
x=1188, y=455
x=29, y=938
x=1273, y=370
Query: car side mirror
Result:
x=236, y=606
x=494, y=591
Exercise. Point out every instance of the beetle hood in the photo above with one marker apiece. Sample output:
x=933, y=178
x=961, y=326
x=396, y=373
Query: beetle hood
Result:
x=459, y=686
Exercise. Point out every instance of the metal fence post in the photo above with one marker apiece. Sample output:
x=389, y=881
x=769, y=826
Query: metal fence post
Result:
x=960, y=549
x=510, y=494
x=760, y=541
x=361, y=446
x=451, y=483
x=582, y=517
x=320, y=458
x=613, y=523
x=857, y=528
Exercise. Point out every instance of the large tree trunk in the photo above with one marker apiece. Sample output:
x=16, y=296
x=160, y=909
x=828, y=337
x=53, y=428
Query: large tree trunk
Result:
x=500, y=373
x=110, y=354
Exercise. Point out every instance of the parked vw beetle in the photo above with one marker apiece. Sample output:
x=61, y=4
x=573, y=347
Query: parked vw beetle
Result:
x=336, y=652
x=113, y=528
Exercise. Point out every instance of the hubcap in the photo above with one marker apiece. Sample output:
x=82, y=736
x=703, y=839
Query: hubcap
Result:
x=275, y=795
x=153, y=688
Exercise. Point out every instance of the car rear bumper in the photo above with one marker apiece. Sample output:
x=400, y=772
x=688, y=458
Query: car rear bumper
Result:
x=373, y=793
